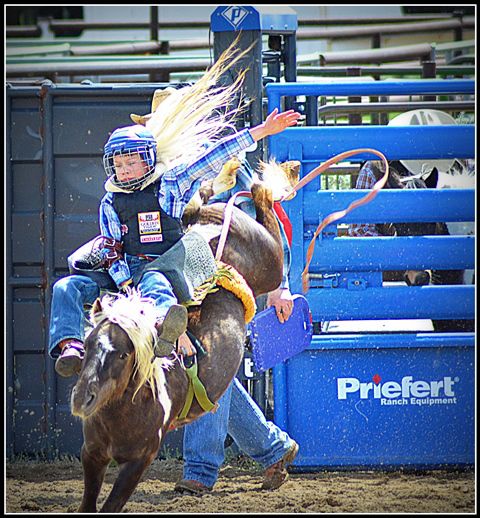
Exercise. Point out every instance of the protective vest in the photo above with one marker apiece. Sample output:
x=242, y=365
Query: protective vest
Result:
x=146, y=227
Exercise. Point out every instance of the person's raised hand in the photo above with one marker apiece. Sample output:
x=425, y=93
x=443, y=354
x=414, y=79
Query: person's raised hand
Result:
x=275, y=123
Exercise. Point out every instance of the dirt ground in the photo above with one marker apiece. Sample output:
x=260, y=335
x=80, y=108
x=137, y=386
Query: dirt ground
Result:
x=41, y=487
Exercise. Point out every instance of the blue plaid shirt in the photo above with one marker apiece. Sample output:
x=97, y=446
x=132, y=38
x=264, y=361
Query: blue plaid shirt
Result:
x=177, y=187
x=366, y=180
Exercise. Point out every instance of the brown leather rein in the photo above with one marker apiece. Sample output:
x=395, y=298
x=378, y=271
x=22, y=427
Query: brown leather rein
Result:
x=334, y=216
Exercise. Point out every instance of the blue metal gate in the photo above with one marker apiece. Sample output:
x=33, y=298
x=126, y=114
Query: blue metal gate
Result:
x=378, y=399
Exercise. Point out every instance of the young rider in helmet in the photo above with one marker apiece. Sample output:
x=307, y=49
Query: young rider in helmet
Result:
x=142, y=210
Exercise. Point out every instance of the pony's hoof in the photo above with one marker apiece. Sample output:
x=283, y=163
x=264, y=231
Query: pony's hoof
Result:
x=227, y=178
x=262, y=195
x=292, y=170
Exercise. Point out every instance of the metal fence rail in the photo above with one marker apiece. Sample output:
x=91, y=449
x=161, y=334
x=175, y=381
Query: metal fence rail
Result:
x=312, y=145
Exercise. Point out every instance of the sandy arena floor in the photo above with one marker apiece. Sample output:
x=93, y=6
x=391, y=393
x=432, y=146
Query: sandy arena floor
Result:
x=40, y=487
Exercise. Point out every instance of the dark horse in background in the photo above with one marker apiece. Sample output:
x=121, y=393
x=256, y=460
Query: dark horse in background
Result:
x=401, y=178
x=126, y=414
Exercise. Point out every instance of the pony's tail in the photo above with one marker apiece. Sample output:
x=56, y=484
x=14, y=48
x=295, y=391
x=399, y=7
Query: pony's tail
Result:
x=191, y=116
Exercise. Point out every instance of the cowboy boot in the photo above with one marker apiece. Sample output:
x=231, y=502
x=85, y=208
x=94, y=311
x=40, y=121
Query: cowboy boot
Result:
x=191, y=487
x=277, y=473
x=174, y=324
x=70, y=360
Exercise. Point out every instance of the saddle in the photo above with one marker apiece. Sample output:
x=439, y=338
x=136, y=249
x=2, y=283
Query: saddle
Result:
x=186, y=265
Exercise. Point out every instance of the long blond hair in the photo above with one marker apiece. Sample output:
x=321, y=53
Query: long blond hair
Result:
x=193, y=115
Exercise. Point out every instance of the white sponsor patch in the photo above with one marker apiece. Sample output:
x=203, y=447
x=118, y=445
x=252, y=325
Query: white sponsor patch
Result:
x=150, y=227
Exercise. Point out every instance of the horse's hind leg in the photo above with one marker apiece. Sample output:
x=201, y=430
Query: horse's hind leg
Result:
x=127, y=480
x=94, y=469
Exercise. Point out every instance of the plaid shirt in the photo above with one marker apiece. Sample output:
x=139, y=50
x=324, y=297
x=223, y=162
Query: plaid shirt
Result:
x=177, y=187
x=366, y=180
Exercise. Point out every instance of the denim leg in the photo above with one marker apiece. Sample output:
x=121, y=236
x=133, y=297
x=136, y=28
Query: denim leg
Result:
x=156, y=286
x=203, y=443
x=67, y=316
x=262, y=440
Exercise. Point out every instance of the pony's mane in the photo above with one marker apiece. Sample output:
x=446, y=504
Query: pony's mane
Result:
x=137, y=316
x=197, y=114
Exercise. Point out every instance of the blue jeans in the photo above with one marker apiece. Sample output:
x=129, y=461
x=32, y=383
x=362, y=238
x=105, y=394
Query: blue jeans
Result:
x=71, y=293
x=238, y=415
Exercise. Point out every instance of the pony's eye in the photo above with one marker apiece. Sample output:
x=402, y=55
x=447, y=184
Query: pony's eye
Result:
x=122, y=356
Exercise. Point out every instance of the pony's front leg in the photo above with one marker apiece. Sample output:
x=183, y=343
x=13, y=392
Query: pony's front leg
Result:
x=127, y=480
x=94, y=468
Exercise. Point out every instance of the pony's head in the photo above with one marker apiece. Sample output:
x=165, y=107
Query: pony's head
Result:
x=118, y=352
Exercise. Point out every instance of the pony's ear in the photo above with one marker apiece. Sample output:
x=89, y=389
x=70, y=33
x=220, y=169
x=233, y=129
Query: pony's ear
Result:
x=432, y=179
x=96, y=309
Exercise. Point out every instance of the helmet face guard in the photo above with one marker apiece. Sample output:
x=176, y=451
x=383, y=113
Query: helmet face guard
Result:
x=137, y=143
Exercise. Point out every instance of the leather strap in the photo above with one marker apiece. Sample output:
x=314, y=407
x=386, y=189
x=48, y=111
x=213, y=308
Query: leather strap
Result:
x=227, y=217
x=338, y=214
x=195, y=388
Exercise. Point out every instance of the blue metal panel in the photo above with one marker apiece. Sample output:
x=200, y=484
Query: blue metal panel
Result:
x=351, y=254
x=390, y=205
x=275, y=91
x=379, y=400
x=317, y=144
x=395, y=302
x=415, y=407
x=259, y=18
